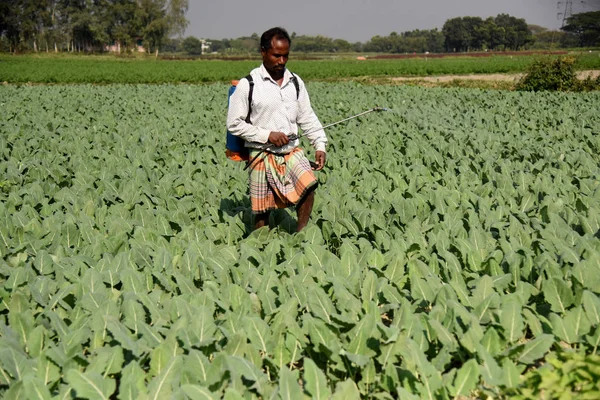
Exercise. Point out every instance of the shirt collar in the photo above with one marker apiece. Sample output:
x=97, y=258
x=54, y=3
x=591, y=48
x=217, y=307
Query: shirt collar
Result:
x=287, y=75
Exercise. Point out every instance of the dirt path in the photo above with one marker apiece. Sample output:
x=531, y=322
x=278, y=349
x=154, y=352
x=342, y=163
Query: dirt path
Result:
x=484, y=77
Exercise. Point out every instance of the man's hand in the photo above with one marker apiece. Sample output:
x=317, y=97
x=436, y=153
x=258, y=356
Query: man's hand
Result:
x=278, y=139
x=320, y=158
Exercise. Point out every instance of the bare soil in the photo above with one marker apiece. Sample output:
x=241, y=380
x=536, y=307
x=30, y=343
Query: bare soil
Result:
x=483, y=77
x=470, y=54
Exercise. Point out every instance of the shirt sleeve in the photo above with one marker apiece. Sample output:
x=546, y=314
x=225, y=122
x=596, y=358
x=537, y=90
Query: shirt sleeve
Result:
x=308, y=121
x=236, y=116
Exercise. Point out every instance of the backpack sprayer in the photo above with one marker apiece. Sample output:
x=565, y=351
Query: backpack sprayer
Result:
x=296, y=136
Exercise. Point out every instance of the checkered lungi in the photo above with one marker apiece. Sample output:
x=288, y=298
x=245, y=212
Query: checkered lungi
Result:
x=279, y=181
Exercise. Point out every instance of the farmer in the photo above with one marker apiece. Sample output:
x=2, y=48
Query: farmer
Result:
x=281, y=175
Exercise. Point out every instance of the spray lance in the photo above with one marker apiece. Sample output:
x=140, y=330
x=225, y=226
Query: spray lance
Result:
x=296, y=136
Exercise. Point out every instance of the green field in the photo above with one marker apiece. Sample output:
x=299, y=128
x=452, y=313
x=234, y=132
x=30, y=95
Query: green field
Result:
x=453, y=248
x=106, y=69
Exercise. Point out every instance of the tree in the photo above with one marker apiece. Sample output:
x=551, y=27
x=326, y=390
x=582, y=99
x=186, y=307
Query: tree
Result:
x=456, y=35
x=176, y=10
x=192, y=45
x=9, y=23
x=554, y=40
x=536, y=29
x=152, y=17
x=516, y=31
x=586, y=26
x=90, y=25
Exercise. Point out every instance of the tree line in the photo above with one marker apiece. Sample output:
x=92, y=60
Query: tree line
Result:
x=90, y=25
x=124, y=25
x=461, y=34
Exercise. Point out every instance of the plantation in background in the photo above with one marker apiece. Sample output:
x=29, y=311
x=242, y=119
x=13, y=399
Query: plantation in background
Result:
x=453, y=247
x=69, y=69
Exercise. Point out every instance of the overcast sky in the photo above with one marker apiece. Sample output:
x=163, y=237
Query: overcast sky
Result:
x=358, y=20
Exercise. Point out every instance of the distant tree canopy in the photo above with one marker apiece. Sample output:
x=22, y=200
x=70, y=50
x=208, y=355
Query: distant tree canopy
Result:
x=474, y=33
x=416, y=41
x=586, y=26
x=90, y=25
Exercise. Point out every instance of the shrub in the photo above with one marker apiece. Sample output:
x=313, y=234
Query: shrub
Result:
x=549, y=74
x=588, y=84
x=565, y=375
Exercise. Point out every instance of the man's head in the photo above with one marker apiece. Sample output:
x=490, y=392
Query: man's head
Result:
x=275, y=49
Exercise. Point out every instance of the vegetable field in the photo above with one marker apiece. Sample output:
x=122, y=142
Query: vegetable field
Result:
x=454, y=246
x=103, y=70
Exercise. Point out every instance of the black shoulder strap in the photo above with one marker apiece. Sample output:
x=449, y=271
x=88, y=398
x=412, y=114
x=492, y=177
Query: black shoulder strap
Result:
x=295, y=80
x=251, y=82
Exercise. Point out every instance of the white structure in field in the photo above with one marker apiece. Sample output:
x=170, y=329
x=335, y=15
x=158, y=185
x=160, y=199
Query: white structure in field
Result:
x=116, y=47
x=205, y=45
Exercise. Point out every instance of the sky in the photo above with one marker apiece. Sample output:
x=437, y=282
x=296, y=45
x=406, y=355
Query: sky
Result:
x=359, y=20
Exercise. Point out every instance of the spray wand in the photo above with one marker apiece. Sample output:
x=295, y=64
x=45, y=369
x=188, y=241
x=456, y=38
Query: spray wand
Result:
x=296, y=136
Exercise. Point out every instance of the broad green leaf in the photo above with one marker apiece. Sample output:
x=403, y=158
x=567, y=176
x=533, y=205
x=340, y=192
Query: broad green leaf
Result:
x=369, y=287
x=360, y=336
x=510, y=373
x=258, y=333
x=47, y=371
x=346, y=390
x=289, y=389
x=561, y=330
x=90, y=385
x=43, y=263
x=315, y=381
x=594, y=340
x=442, y=333
x=121, y=334
x=577, y=321
x=163, y=355
x=533, y=322
x=15, y=392
x=511, y=320
x=35, y=388
x=319, y=303
x=107, y=361
x=197, y=392
x=483, y=310
x=15, y=362
x=558, y=294
x=132, y=385
x=591, y=304
x=369, y=373
x=466, y=379
x=162, y=386
x=490, y=370
x=243, y=367
x=536, y=349
x=421, y=290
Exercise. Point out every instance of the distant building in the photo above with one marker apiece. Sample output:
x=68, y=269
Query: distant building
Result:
x=205, y=45
x=116, y=47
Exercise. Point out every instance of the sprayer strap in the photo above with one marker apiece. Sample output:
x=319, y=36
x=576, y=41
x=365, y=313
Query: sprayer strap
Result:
x=295, y=81
x=251, y=82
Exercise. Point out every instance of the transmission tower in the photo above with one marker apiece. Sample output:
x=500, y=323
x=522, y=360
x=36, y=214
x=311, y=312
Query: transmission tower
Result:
x=565, y=8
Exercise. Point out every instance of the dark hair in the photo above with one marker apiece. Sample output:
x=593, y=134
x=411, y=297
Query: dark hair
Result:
x=267, y=37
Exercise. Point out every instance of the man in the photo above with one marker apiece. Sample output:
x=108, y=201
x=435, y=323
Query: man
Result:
x=280, y=174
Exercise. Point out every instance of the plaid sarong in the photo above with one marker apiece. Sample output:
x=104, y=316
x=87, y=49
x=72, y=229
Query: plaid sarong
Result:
x=279, y=181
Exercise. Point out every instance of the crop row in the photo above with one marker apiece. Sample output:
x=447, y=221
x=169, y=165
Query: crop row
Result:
x=23, y=69
x=454, y=245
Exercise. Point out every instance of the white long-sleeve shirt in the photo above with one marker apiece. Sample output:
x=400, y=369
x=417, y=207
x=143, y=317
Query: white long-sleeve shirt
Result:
x=274, y=109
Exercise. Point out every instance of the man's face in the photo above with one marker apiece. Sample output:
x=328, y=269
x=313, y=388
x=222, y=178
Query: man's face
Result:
x=276, y=57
